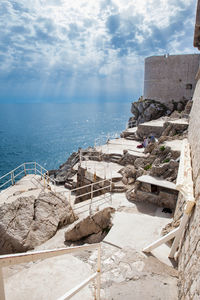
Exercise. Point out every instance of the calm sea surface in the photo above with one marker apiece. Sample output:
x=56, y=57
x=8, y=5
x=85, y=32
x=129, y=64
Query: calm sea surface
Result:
x=49, y=133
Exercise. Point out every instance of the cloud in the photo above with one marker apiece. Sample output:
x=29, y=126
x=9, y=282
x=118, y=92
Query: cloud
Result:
x=60, y=50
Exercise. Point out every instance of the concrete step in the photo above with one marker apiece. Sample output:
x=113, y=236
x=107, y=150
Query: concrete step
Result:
x=116, y=155
x=114, y=160
x=119, y=189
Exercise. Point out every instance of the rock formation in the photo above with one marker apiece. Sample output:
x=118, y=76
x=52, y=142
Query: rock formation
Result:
x=90, y=227
x=30, y=221
x=65, y=171
x=145, y=110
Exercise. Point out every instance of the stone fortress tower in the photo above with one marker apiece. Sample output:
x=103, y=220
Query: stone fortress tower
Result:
x=169, y=85
x=170, y=77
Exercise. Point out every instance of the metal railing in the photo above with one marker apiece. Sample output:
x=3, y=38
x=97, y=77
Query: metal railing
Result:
x=105, y=185
x=13, y=259
x=34, y=168
x=130, y=124
x=26, y=168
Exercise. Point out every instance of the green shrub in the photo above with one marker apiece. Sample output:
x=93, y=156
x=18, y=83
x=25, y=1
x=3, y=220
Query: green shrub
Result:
x=166, y=160
x=147, y=167
x=162, y=148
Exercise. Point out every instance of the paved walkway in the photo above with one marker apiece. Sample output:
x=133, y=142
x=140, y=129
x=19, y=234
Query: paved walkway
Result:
x=175, y=145
x=102, y=169
x=118, y=145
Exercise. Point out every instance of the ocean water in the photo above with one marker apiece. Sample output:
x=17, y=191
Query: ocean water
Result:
x=48, y=133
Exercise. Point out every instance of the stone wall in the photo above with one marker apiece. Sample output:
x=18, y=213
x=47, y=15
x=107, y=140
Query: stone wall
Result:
x=170, y=77
x=189, y=257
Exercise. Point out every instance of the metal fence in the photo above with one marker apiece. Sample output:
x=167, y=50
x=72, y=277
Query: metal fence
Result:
x=24, y=169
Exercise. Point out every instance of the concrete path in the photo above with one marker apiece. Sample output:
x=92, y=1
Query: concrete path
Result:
x=175, y=145
x=102, y=169
x=118, y=145
x=48, y=279
x=30, y=185
x=138, y=230
x=181, y=121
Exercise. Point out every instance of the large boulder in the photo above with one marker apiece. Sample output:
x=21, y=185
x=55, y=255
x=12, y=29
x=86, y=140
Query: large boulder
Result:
x=90, y=225
x=147, y=110
x=65, y=171
x=30, y=221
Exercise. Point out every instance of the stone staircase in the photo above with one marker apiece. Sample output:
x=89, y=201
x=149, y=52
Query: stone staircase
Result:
x=114, y=157
x=118, y=187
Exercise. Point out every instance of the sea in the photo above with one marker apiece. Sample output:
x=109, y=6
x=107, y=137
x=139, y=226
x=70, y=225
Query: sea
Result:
x=49, y=132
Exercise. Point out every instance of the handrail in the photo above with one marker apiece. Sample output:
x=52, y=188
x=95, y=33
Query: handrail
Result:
x=47, y=178
x=185, y=186
x=43, y=172
x=12, y=259
x=94, y=183
x=129, y=124
x=91, y=192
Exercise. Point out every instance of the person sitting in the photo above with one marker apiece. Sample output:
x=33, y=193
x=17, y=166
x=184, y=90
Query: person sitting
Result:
x=152, y=139
x=144, y=143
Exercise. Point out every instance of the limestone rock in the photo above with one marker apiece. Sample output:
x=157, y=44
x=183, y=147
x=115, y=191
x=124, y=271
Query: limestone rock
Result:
x=139, y=162
x=147, y=110
x=95, y=238
x=129, y=174
x=30, y=221
x=89, y=225
x=167, y=170
x=66, y=170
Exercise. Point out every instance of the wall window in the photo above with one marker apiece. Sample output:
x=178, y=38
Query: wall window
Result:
x=188, y=86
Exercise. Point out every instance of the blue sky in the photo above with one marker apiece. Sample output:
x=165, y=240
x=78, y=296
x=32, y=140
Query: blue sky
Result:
x=63, y=51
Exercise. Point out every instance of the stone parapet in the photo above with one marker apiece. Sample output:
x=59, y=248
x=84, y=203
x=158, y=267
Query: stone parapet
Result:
x=189, y=253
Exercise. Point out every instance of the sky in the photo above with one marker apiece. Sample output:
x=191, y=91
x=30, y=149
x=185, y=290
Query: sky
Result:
x=87, y=50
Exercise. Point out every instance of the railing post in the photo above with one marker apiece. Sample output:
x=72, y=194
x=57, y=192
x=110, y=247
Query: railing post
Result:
x=99, y=272
x=13, y=178
x=25, y=169
x=2, y=291
x=69, y=200
x=90, y=207
x=80, y=157
x=11, y=175
x=35, y=168
x=47, y=177
x=44, y=180
x=111, y=190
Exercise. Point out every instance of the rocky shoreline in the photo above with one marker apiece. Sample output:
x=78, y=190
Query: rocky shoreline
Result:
x=157, y=160
x=125, y=216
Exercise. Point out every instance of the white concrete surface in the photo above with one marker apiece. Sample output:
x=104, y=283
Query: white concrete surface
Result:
x=30, y=185
x=155, y=123
x=117, y=146
x=181, y=121
x=137, y=231
x=157, y=181
x=175, y=145
x=49, y=279
x=103, y=169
